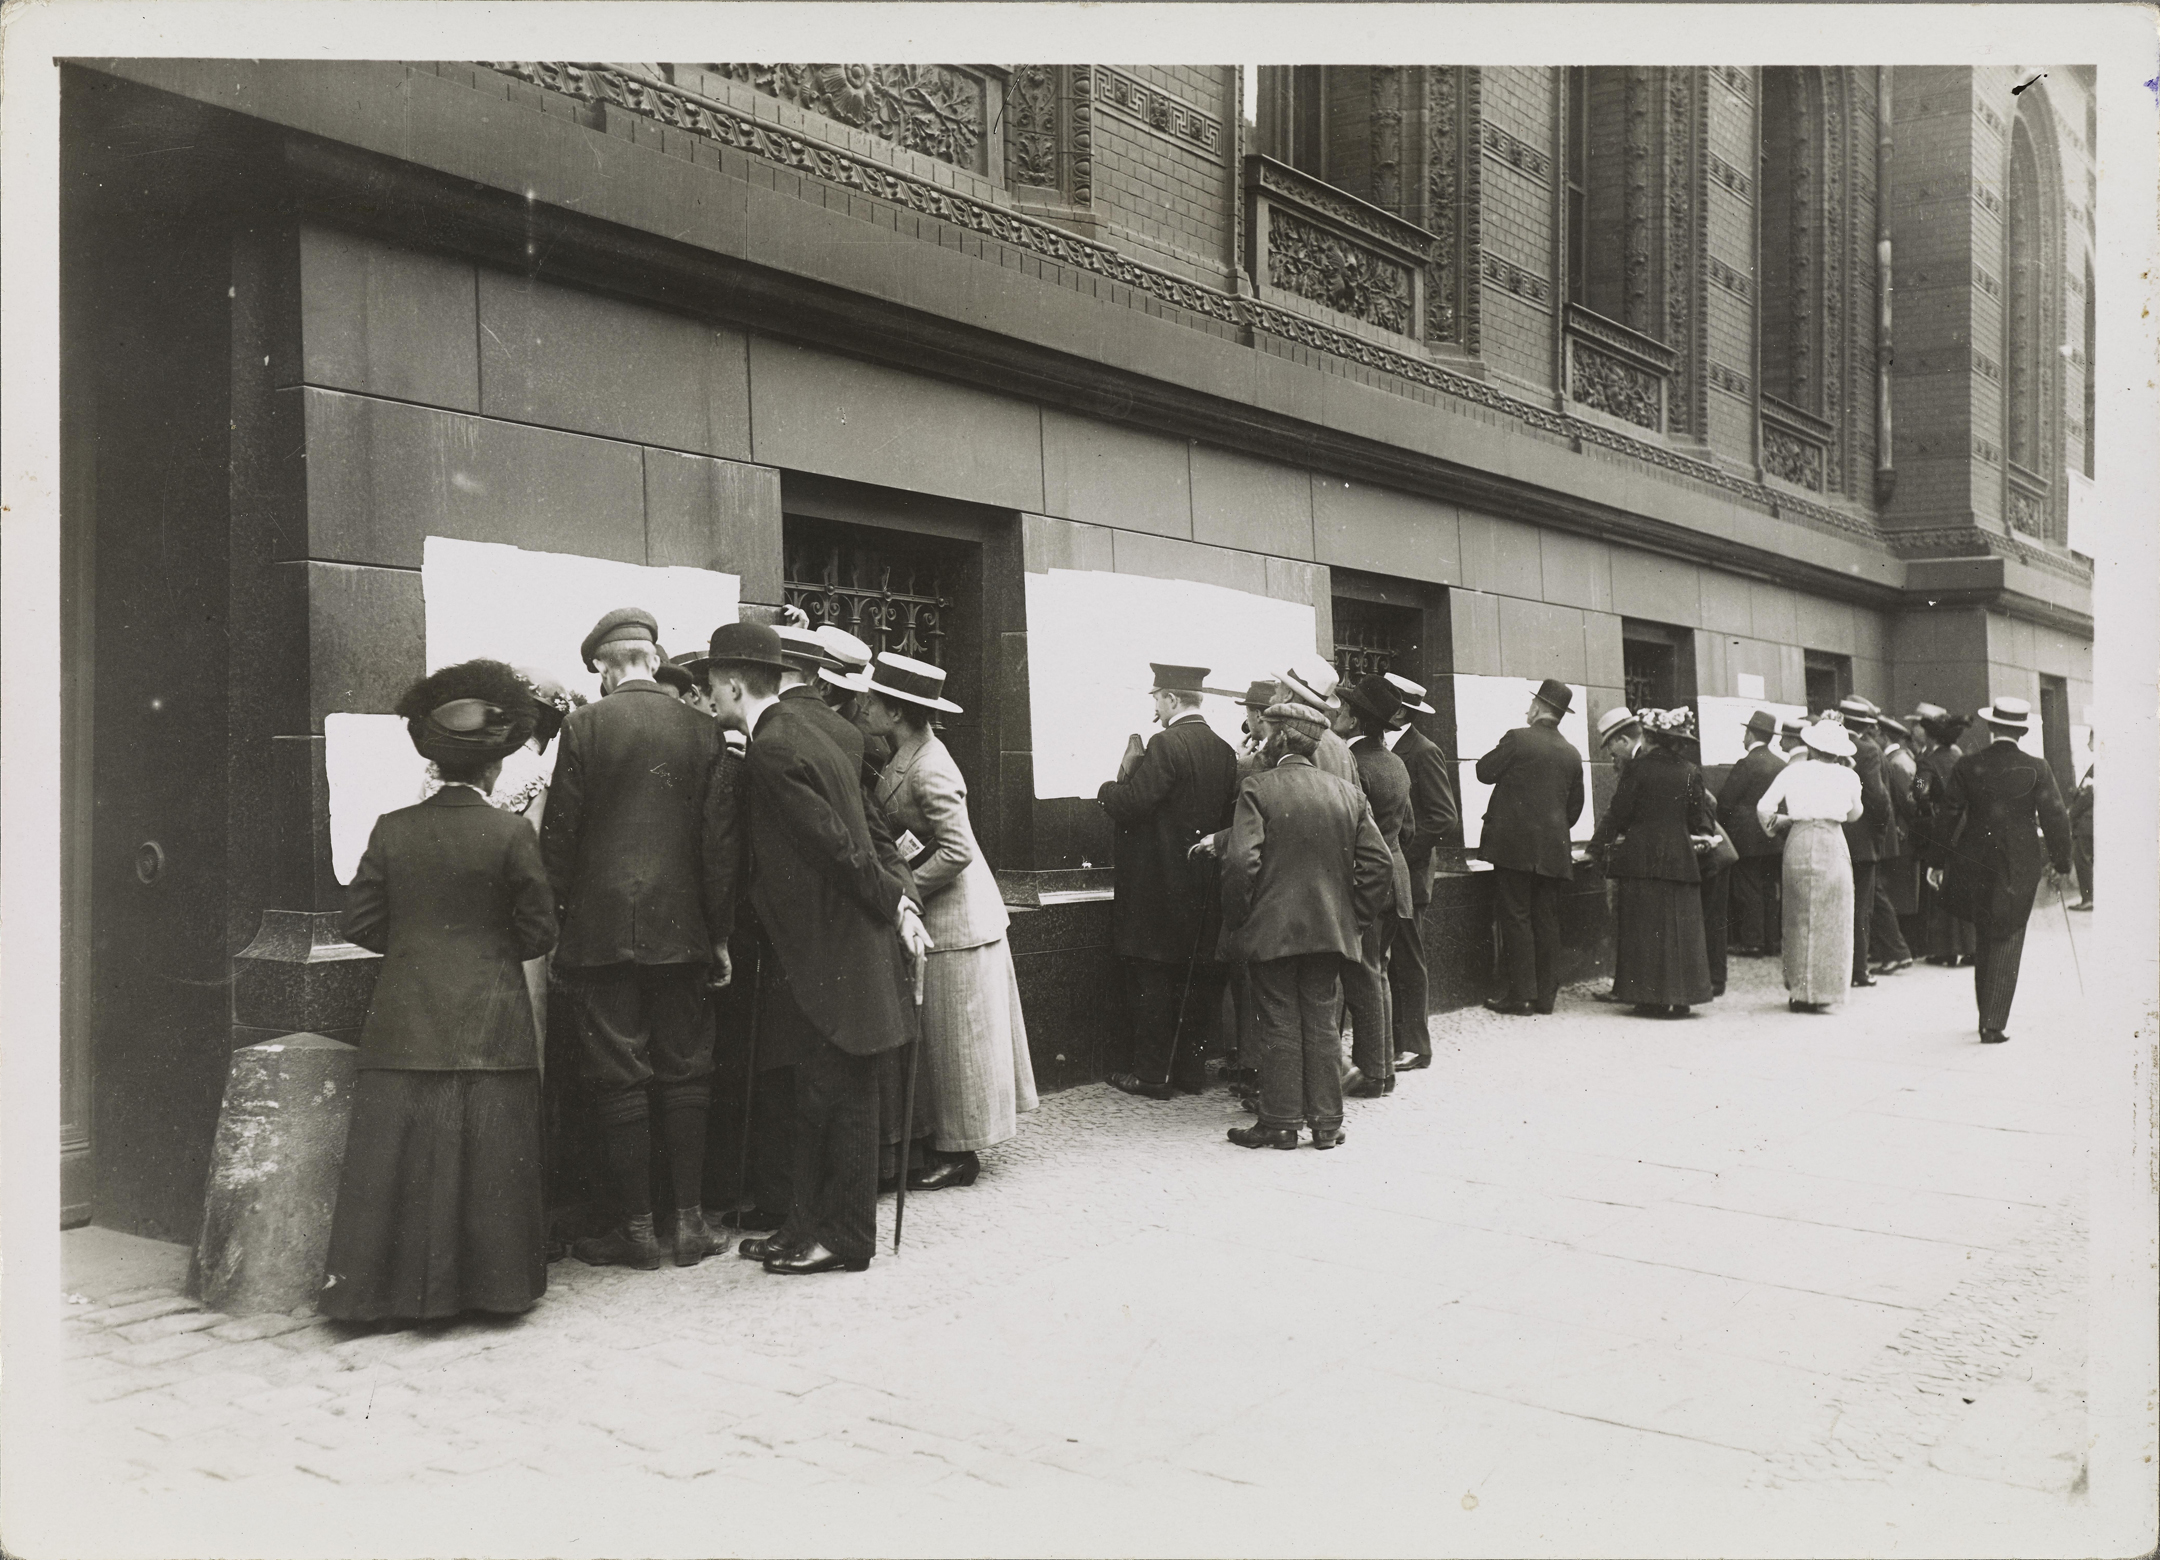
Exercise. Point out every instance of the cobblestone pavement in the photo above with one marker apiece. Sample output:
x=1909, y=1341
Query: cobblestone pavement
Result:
x=1750, y=1259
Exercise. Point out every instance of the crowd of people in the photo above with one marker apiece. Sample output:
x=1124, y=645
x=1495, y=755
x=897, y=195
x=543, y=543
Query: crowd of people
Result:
x=778, y=813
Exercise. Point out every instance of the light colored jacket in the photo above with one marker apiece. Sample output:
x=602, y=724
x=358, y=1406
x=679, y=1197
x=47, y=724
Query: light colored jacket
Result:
x=921, y=791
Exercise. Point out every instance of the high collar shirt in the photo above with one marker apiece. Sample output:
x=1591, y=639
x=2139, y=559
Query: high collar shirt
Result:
x=1811, y=791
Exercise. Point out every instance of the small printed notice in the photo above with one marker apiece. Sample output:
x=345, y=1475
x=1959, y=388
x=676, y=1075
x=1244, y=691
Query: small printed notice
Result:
x=1747, y=685
x=912, y=850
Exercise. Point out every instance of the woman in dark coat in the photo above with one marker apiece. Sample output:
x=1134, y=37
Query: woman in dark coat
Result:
x=1948, y=940
x=439, y=1204
x=1660, y=817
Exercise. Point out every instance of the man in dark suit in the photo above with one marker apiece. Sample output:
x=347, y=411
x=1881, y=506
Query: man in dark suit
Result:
x=1368, y=710
x=1169, y=795
x=1757, y=875
x=1869, y=838
x=2003, y=800
x=831, y=911
x=1435, y=816
x=1537, y=780
x=626, y=853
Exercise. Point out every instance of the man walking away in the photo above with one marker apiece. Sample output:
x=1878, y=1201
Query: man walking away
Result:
x=625, y=847
x=1435, y=815
x=1168, y=795
x=1999, y=795
x=1305, y=871
x=1537, y=780
x=1755, y=876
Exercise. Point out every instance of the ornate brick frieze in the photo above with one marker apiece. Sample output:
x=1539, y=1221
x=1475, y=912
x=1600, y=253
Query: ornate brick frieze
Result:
x=1517, y=153
x=1526, y=285
x=1986, y=199
x=1986, y=367
x=1791, y=458
x=1170, y=117
x=2025, y=511
x=1989, y=117
x=1986, y=451
x=1729, y=279
x=1685, y=308
x=1080, y=135
x=1385, y=132
x=1984, y=279
x=1443, y=203
x=1605, y=383
x=1730, y=380
x=931, y=109
x=1735, y=80
x=1636, y=212
x=1034, y=154
x=1731, y=178
x=1329, y=269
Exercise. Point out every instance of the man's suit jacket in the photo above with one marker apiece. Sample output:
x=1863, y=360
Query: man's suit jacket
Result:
x=1870, y=838
x=1181, y=790
x=1385, y=780
x=624, y=835
x=856, y=744
x=1742, y=789
x=921, y=791
x=1305, y=870
x=1536, y=776
x=829, y=908
x=1999, y=795
x=1435, y=811
x=451, y=892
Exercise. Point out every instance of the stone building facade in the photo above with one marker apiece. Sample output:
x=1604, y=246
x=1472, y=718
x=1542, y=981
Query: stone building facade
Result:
x=1707, y=383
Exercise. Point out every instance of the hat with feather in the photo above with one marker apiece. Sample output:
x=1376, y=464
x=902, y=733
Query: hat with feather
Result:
x=473, y=712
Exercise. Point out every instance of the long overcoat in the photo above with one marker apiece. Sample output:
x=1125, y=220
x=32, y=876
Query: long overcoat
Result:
x=2005, y=800
x=922, y=792
x=624, y=836
x=1658, y=803
x=1433, y=805
x=1181, y=790
x=1873, y=837
x=452, y=894
x=1305, y=869
x=1743, y=788
x=1537, y=780
x=1385, y=780
x=828, y=905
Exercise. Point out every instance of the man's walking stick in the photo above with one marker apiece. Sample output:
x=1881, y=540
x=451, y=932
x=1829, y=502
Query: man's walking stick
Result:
x=907, y=1107
x=1177, y=1029
x=2062, y=898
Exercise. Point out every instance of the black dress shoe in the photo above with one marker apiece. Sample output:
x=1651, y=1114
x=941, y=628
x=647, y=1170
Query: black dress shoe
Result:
x=1126, y=1083
x=1333, y=1139
x=946, y=1172
x=1257, y=1136
x=1864, y=980
x=1993, y=1037
x=762, y=1248
x=1411, y=1061
x=816, y=1260
x=1372, y=1089
x=1508, y=1006
x=752, y=1219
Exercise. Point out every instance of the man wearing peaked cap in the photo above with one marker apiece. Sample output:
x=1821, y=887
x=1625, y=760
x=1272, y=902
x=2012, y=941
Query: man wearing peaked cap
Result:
x=1757, y=918
x=2003, y=801
x=1537, y=780
x=623, y=624
x=1169, y=794
x=1436, y=816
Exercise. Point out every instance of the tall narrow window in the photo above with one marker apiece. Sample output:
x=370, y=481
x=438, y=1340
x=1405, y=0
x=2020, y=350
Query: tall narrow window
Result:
x=1578, y=159
x=2023, y=348
x=1290, y=116
x=1790, y=300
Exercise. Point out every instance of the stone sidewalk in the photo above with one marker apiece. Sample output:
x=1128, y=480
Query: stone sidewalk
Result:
x=1745, y=1262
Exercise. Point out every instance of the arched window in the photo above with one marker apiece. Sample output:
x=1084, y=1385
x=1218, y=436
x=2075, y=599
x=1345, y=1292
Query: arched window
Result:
x=2024, y=346
x=1791, y=320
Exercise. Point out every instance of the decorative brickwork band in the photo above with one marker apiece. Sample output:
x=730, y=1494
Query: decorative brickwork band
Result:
x=1170, y=117
x=1605, y=384
x=931, y=109
x=1330, y=270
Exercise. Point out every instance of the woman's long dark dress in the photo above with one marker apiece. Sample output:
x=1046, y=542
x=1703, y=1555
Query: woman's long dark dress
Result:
x=1663, y=959
x=440, y=1207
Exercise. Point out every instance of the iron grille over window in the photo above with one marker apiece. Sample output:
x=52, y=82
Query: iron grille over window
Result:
x=1648, y=668
x=1372, y=639
x=889, y=603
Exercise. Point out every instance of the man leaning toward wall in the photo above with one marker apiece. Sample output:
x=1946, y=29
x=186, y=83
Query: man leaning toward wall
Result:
x=1169, y=794
x=1435, y=815
x=1758, y=918
x=1537, y=780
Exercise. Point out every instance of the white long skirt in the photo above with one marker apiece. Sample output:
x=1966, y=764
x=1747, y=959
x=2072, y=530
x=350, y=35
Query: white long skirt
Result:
x=976, y=1075
x=1818, y=896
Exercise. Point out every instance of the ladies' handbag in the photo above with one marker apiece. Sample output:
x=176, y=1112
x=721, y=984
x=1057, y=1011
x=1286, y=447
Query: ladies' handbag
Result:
x=1721, y=855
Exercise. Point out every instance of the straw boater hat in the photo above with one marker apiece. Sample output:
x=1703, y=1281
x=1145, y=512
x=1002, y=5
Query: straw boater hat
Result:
x=1857, y=712
x=803, y=650
x=1311, y=682
x=473, y=712
x=1413, y=696
x=1615, y=720
x=917, y=682
x=623, y=623
x=1828, y=737
x=2007, y=714
x=850, y=658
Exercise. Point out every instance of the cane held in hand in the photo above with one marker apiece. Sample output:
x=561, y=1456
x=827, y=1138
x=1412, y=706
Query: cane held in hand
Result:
x=920, y=960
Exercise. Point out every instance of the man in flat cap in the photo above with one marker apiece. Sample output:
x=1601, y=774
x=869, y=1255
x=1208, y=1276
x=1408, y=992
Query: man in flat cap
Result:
x=1870, y=839
x=1537, y=780
x=1757, y=914
x=2002, y=801
x=841, y=927
x=1435, y=815
x=635, y=878
x=1168, y=795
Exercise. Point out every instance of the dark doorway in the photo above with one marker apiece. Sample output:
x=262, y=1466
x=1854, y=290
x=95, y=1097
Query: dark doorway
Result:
x=1658, y=663
x=2055, y=733
x=1384, y=625
x=1829, y=680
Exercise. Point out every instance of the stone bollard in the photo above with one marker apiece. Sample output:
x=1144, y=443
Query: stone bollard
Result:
x=274, y=1175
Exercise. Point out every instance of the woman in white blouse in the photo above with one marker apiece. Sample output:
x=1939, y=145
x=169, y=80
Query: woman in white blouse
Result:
x=1810, y=802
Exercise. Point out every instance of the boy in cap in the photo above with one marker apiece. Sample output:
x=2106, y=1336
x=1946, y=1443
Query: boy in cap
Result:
x=1168, y=795
x=1537, y=780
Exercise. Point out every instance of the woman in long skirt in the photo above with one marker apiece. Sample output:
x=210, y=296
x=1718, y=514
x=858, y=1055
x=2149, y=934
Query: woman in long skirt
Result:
x=1651, y=836
x=439, y=1205
x=1810, y=802
x=976, y=1076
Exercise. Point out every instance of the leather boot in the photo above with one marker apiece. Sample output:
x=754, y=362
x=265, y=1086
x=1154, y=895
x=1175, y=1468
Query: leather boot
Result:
x=694, y=1239
x=1257, y=1136
x=633, y=1245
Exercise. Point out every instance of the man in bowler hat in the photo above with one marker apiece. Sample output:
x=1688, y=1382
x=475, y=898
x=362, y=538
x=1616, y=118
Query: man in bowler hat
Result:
x=1537, y=780
x=1168, y=795
x=634, y=876
x=2003, y=801
x=1435, y=816
x=1759, y=872
x=840, y=926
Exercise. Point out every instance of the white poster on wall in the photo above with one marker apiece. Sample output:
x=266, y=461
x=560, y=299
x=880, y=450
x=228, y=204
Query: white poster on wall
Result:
x=533, y=609
x=373, y=769
x=1091, y=636
x=1722, y=725
x=1487, y=709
